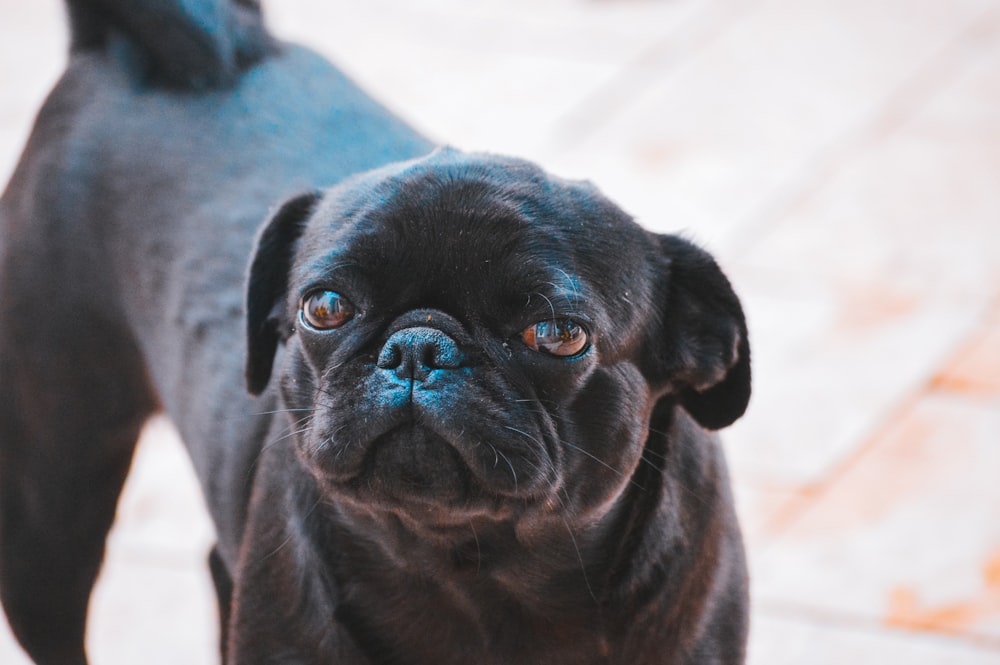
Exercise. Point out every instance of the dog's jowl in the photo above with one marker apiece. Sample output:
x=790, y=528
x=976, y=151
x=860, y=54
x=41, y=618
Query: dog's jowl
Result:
x=445, y=408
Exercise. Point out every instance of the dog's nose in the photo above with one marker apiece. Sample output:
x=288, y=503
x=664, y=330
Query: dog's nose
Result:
x=414, y=353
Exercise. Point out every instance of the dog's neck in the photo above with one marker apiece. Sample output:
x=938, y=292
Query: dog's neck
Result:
x=535, y=581
x=550, y=589
x=519, y=557
x=488, y=584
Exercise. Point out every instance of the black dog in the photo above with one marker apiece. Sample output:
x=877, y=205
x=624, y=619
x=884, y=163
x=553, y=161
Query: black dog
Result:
x=485, y=440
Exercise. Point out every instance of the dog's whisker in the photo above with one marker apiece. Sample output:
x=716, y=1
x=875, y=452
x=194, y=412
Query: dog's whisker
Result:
x=558, y=289
x=479, y=551
x=551, y=306
x=576, y=548
x=277, y=411
x=538, y=412
x=702, y=499
x=655, y=459
x=679, y=481
x=258, y=414
x=300, y=426
x=343, y=447
x=617, y=472
x=651, y=463
x=507, y=460
x=534, y=400
x=291, y=536
x=655, y=454
x=572, y=284
x=524, y=434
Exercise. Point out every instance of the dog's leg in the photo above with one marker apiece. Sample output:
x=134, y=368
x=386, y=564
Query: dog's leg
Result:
x=223, y=593
x=73, y=398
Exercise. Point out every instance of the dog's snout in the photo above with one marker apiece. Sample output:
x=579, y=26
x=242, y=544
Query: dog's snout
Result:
x=413, y=353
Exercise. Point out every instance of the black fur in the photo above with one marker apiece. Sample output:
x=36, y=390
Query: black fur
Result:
x=185, y=44
x=418, y=484
x=268, y=281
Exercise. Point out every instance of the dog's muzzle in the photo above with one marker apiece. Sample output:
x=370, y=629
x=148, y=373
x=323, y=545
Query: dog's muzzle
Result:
x=429, y=420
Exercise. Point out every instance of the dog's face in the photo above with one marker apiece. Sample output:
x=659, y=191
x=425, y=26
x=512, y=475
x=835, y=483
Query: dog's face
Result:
x=466, y=335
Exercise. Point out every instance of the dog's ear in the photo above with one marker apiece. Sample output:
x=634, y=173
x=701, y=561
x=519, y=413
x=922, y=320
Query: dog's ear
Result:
x=700, y=352
x=267, y=285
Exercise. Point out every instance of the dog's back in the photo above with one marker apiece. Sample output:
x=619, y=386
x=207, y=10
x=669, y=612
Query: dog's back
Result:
x=125, y=231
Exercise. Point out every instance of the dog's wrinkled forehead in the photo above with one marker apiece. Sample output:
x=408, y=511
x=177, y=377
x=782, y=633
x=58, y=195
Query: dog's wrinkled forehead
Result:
x=464, y=232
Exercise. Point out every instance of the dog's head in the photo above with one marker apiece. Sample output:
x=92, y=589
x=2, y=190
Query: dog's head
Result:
x=466, y=334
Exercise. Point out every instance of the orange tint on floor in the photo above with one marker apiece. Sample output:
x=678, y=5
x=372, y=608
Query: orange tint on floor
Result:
x=905, y=610
x=873, y=305
x=976, y=370
x=903, y=461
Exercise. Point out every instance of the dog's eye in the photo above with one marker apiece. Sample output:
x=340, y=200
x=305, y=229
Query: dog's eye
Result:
x=325, y=310
x=557, y=337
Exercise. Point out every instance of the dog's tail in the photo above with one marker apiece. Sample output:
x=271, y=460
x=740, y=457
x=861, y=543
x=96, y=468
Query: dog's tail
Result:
x=186, y=44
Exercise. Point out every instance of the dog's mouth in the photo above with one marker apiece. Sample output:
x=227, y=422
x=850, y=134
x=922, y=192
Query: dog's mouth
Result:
x=412, y=465
x=448, y=440
x=412, y=462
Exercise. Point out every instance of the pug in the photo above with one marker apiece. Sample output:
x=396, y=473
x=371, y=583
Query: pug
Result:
x=444, y=407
